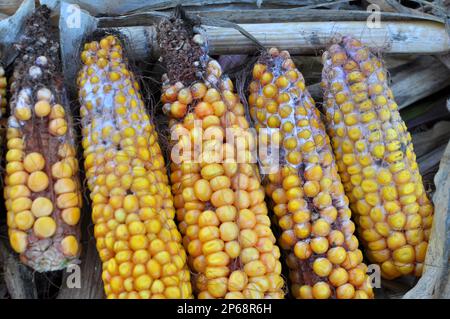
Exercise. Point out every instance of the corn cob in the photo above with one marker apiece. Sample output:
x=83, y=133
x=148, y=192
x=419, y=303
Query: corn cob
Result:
x=376, y=160
x=41, y=184
x=3, y=85
x=219, y=199
x=306, y=192
x=137, y=239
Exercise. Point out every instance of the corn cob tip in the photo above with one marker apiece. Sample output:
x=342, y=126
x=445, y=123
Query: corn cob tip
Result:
x=182, y=49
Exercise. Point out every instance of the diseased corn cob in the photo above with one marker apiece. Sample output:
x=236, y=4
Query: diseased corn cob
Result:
x=306, y=192
x=219, y=199
x=3, y=85
x=41, y=183
x=376, y=159
x=137, y=239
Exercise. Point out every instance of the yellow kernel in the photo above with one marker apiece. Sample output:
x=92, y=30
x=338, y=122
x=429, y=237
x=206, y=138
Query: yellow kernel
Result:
x=378, y=151
x=33, y=162
x=42, y=108
x=18, y=241
x=322, y=267
x=270, y=91
x=37, y=181
x=44, y=227
x=321, y=290
x=58, y=127
x=24, y=220
x=23, y=113
x=42, y=206
x=69, y=246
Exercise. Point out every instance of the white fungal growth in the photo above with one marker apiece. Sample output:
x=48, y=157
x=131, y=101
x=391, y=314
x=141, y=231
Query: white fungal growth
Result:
x=214, y=68
x=21, y=104
x=44, y=94
x=166, y=108
x=12, y=122
x=179, y=86
x=24, y=97
x=212, y=79
x=41, y=60
x=198, y=39
x=35, y=72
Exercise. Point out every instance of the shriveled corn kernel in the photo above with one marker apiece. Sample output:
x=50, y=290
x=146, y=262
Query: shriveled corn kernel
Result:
x=57, y=127
x=33, y=162
x=62, y=170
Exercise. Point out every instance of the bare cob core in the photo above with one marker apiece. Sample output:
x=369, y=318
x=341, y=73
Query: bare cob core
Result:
x=376, y=159
x=41, y=184
x=219, y=199
x=132, y=206
x=304, y=186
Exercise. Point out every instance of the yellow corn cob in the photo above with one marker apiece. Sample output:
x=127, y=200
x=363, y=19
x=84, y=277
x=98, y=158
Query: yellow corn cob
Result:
x=41, y=185
x=306, y=192
x=219, y=199
x=376, y=159
x=133, y=212
x=3, y=84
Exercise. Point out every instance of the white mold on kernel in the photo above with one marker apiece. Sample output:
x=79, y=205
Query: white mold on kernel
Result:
x=35, y=72
x=166, y=108
x=198, y=39
x=24, y=97
x=41, y=61
x=44, y=94
x=13, y=122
